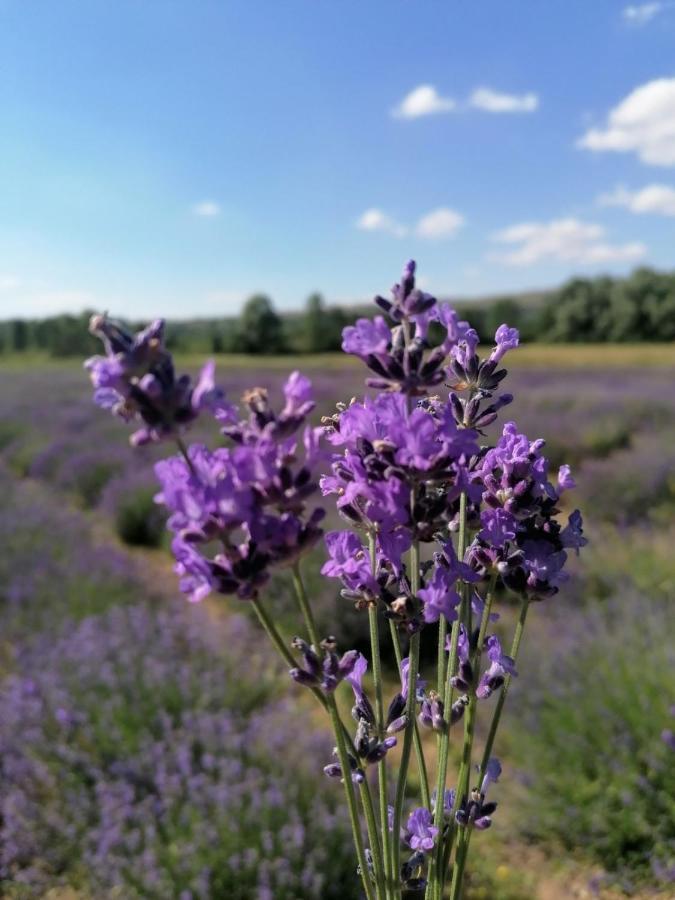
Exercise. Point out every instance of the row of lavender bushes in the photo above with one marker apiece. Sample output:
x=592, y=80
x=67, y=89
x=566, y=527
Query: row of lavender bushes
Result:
x=618, y=428
x=136, y=758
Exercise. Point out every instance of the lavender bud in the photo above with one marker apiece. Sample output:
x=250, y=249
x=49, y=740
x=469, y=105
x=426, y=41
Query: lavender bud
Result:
x=397, y=725
x=457, y=709
x=302, y=677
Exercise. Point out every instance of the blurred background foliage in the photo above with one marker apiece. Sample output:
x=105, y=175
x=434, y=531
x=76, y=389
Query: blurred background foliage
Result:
x=594, y=310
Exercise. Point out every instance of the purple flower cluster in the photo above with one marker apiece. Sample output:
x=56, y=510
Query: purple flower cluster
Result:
x=520, y=537
x=136, y=380
x=249, y=498
x=475, y=812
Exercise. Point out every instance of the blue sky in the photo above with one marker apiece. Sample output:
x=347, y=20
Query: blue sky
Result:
x=173, y=156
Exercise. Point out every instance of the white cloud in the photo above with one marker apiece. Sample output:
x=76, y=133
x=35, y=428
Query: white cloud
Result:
x=562, y=240
x=440, y=223
x=376, y=220
x=643, y=123
x=207, y=209
x=9, y=282
x=642, y=13
x=655, y=198
x=492, y=101
x=423, y=101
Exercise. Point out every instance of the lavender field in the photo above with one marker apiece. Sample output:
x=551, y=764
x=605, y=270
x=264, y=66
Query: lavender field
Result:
x=147, y=745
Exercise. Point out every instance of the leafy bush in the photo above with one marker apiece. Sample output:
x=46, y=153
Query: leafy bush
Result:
x=590, y=737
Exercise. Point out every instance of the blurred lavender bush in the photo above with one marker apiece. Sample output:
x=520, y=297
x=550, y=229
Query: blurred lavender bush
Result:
x=135, y=759
x=161, y=773
x=594, y=735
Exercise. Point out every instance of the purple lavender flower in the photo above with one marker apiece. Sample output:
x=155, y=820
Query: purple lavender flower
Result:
x=499, y=526
x=439, y=596
x=136, y=380
x=431, y=712
x=251, y=498
x=368, y=337
x=492, y=772
x=505, y=339
x=420, y=682
x=420, y=830
x=565, y=480
x=349, y=561
x=475, y=812
x=326, y=673
x=501, y=665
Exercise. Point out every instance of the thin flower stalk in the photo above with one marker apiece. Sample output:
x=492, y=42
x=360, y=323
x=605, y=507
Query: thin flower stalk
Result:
x=373, y=836
x=380, y=723
x=469, y=734
x=425, y=795
x=410, y=713
x=436, y=864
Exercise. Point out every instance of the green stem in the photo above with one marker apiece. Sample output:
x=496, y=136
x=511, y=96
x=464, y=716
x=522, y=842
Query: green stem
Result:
x=380, y=724
x=467, y=747
x=414, y=661
x=272, y=633
x=460, y=864
x=366, y=798
x=180, y=443
x=305, y=608
x=350, y=796
x=436, y=867
x=463, y=847
x=515, y=647
x=417, y=740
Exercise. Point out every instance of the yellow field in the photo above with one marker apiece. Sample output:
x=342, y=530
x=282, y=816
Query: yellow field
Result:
x=558, y=356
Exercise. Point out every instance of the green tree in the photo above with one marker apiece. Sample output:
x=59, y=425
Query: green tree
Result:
x=260, y=328
x=19, y=335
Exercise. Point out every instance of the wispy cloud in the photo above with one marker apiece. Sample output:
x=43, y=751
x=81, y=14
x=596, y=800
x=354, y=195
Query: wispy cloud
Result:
x=642, y=13
x=9, y=282
x=423, y=101
x=440, y=223
x=658, y=199
x=376, y=220
x=495, y=102
x=562, y=240
x=206, y=209
x=642, y=123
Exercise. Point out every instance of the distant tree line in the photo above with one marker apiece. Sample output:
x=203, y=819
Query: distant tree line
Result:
x=638, y=308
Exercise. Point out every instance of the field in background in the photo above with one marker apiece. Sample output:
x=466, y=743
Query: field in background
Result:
x=562, y=356
x=107, y=676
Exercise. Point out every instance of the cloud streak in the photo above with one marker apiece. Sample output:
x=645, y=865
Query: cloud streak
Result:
x=438, y=224
x=423, y=101
x=374, y=219
x=562, y=240
x=486, y=99
x=642, y=13
x=657, y=199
